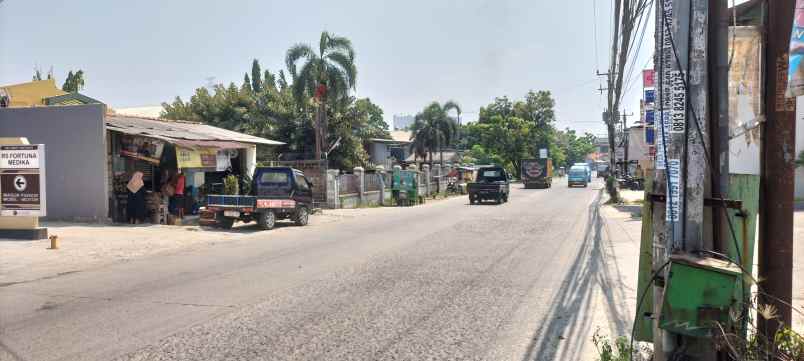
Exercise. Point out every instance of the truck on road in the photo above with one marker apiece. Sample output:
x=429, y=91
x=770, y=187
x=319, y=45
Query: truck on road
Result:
x=277, y=193
x=537, y=173
x=492, y=183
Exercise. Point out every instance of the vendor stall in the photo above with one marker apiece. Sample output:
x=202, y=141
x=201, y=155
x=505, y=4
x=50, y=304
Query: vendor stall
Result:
x=180, y=163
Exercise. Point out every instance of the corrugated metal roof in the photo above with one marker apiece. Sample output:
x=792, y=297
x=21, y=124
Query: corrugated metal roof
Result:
x=179, y=130
x=401, y=135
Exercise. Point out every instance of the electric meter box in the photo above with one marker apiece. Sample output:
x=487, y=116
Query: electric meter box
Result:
x=699, y=292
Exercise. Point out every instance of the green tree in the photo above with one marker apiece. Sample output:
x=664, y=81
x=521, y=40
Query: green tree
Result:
x=576, y=148
x=507, y=139
x=256, y=76
x=434, y=128
x=74, y=81
x=325, y=76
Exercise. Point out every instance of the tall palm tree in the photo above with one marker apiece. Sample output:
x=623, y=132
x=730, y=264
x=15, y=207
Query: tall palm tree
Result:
x=326, y=76
x=433, y=128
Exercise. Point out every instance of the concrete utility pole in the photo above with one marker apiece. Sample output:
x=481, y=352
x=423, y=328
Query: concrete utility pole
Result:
x=682, y=67
x=625, y=140
x=778, y=169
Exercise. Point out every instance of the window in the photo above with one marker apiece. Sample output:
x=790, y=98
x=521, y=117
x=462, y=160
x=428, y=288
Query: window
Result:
x=301, y=182
x=492, y=174
x=278, y=178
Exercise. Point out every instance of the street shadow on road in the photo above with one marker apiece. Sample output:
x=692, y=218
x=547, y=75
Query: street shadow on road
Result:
x=567, y=325
x=247, y=228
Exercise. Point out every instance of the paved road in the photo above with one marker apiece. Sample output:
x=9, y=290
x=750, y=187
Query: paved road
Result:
x=442, y=281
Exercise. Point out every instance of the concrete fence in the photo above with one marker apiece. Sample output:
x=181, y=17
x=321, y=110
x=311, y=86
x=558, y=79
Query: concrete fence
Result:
x=362, y=189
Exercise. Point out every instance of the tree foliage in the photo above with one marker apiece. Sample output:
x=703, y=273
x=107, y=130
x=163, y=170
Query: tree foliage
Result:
x=74, y=81
x=434, y=128
x=270, y=107
x=508, y=131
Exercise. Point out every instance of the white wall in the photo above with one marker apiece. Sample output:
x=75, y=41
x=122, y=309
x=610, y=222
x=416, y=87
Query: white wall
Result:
x=799, y=193
x=379, y=152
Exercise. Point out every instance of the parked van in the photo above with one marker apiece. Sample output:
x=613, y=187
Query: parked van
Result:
x=578, y=175
x=588, y=170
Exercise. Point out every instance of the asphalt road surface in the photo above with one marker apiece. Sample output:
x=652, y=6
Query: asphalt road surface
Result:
x=441, y=281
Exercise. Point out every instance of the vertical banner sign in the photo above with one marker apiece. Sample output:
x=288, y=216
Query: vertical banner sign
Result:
x=678, y=121
x=662, y=128
x=22, y=180
x=666, y=63
x=673, y=200
x=543, y=153
x=795, y=69
x=648, y=78
x=650, y=96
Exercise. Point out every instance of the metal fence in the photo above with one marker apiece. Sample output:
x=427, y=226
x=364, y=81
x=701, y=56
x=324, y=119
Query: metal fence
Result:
x=348, y=184
x=372, y=182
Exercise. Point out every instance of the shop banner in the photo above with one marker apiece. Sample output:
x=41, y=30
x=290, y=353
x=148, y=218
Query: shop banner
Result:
x=196, y=158
x=648, y=78
x=650, y=117
x=795, y=70
x=147, y=149
x=223, y=161
x=22, y=180
x=650, y=136
x=650, y=96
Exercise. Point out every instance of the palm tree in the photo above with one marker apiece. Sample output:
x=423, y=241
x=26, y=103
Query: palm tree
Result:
x=433, y=128
x=326, y=76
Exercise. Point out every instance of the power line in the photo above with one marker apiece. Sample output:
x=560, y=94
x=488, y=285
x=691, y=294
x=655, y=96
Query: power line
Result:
x=594, y=31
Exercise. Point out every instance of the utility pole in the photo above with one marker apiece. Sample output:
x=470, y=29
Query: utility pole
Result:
x=719, y=115
x=625, y=139
x=682, y=67
x=778, y=169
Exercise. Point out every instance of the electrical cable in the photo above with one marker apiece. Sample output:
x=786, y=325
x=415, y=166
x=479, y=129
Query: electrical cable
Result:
x=713, y=172
x=630, y=67
x=639, y=305
x=594, y=32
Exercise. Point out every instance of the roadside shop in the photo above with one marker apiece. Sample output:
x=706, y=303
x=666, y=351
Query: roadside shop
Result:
x=160, y=171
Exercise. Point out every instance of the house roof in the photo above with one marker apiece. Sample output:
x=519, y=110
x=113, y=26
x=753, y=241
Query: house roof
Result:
x=747, y=13
x=31, y=93
x=402, y=136
x=181, y=132
x=42, y=92
x=69, y=99
x=449, y=156
x=397, y=137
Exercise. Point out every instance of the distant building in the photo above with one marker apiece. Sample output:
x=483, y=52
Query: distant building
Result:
x=403, y=122
x=39, y=93
x=387, y=152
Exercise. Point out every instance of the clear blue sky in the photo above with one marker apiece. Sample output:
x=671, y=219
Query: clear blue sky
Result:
x=138, y=53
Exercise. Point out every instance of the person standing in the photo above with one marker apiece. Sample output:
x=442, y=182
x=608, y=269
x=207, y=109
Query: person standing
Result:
x=179, y=195
x=135, y=208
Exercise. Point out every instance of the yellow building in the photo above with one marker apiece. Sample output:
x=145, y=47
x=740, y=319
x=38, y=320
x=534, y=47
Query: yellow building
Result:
x=39, y=93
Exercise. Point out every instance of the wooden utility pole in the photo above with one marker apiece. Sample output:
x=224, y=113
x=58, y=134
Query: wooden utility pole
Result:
x=778, y=170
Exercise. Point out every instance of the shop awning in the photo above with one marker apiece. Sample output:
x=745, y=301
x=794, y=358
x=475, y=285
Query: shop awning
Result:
x=175, y=131
x=217, y=144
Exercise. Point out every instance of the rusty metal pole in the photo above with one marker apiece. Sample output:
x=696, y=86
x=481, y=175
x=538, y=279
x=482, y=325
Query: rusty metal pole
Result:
x=719, y=115
x=778, y=169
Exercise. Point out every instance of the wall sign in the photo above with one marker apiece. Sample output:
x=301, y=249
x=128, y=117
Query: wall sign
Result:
x=196, y=158
x=22, y=180
x=147, y=149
